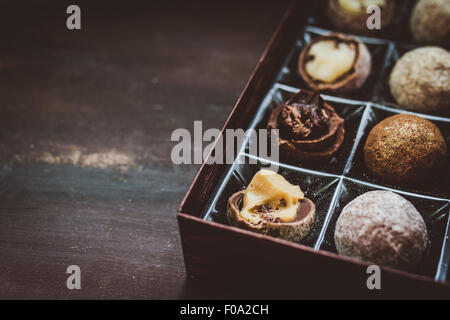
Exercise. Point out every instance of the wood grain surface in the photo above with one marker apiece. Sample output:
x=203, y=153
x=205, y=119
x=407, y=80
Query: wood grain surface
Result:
x=86, y=116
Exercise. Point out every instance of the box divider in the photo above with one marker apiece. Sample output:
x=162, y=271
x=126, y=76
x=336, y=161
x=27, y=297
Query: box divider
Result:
x=441, y=273
x=329, y=214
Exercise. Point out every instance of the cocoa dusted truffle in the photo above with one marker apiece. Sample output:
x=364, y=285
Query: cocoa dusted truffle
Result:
x=351, y=15
x=420, y=80
x=335, y=62
x=309, y=128
x=430, y=22
x=383, y=228
x=271, y=205
x=404, y=148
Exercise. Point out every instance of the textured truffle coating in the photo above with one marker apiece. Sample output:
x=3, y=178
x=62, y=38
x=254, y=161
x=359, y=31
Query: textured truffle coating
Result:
x=430, y=22
x=383, y=228
x=420, y=80
x=404, y=148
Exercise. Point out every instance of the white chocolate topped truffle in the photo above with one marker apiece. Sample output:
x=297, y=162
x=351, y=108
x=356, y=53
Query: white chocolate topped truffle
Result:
x=359, y=6
x=335, y=62
x=270, y=189
x=352, y=15
x=331, y=60
x=272, y=206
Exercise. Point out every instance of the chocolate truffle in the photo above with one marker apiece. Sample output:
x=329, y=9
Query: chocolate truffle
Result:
x=271, y=205
x=351, y=15
x=430, y=22
x=309, y=128
x=335, y=62
x=420, y=80
x=383, y=228
x=404, y=148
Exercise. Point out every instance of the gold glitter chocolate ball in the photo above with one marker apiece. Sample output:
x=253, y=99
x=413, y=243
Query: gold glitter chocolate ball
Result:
x=404, y=148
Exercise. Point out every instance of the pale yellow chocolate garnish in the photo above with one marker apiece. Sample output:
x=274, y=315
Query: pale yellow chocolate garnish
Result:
x=359, y=6
x=272, y=190
x=330, y=61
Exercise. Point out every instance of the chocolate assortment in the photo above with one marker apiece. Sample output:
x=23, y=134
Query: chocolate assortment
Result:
x=361, y=160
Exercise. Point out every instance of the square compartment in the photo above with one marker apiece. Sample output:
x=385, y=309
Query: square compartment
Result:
x=434, y=212
x=378, y=49
x=351, y=111
x=318, y=187
x=439, y=187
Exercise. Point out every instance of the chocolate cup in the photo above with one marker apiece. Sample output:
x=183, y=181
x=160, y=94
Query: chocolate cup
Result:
x=319, y=149
x=351, y=80
x=293, y=231
x=357, y=22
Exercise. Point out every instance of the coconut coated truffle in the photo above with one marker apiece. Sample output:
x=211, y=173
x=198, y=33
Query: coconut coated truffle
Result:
x=383, y=228
x=420, y=80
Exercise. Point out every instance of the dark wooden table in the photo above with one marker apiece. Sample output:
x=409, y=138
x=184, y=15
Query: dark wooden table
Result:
x=86, y=176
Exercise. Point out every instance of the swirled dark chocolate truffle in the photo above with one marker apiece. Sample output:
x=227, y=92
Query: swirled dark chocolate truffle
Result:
x=335, y=62
x=383, y=228
x=309, y=128
x=271, y=205
x=404, y=148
